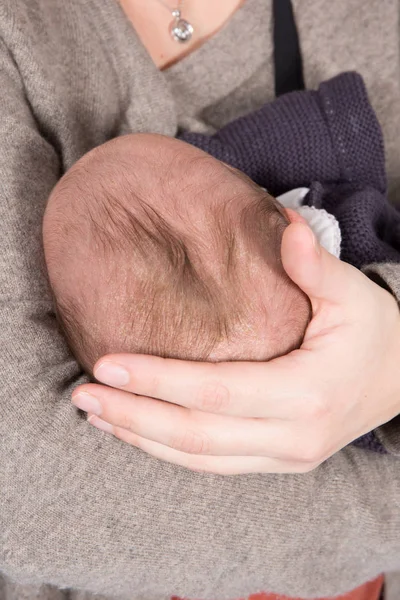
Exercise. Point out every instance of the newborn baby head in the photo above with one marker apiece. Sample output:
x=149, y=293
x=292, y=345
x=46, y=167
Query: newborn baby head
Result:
x=154, y=247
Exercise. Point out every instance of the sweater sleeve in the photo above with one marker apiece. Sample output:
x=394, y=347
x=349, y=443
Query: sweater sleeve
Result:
x=80, y=509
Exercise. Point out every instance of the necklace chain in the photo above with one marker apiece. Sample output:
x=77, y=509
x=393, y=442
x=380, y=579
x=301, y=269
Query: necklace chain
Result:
x=172, y=10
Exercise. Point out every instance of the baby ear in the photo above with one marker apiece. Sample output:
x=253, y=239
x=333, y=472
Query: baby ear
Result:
x=294, y=216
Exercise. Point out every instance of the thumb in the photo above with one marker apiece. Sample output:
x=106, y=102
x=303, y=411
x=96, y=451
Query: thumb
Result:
x=318, y=273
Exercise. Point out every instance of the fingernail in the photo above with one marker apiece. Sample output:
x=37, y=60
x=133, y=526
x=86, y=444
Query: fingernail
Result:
x=87, y=402
x=111, y=374
x=100, y=424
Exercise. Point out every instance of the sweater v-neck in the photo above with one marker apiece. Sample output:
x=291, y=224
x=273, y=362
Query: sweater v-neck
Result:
x=206, y=76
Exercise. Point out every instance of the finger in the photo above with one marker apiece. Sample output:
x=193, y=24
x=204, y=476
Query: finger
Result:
x=194, y=432
x=318, y=273
x=219, y=465
x=294, y=216
x=246, y=389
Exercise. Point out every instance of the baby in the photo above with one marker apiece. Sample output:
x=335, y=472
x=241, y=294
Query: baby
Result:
x=153, y=246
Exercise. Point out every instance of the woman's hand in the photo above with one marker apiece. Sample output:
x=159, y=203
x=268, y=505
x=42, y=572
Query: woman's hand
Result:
x=287, y=415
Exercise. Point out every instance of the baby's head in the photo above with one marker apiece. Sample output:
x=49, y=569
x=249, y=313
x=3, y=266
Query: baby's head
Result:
x=154, y=247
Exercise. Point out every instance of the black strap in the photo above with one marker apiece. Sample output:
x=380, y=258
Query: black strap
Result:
x=287, y=53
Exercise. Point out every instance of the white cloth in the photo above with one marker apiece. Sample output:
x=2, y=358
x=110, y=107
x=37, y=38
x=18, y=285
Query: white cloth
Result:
x=324, y=225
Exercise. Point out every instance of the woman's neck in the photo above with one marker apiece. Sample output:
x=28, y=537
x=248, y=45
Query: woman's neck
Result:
x=151, y=20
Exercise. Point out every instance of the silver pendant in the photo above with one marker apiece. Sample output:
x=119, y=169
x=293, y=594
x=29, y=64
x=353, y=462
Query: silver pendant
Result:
x=180, y=29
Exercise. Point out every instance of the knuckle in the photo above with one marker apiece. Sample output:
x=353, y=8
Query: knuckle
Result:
x=154, y=386
x=316, y=408
x=126, y=422
x=213, y=397
x=312, y=450
x=191, y=442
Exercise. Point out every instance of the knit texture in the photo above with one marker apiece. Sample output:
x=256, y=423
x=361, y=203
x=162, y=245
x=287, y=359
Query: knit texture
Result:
x=328, y=135
x=80, y=509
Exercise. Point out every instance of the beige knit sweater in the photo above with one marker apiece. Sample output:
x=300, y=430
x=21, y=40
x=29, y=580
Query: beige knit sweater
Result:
x=82, y=510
